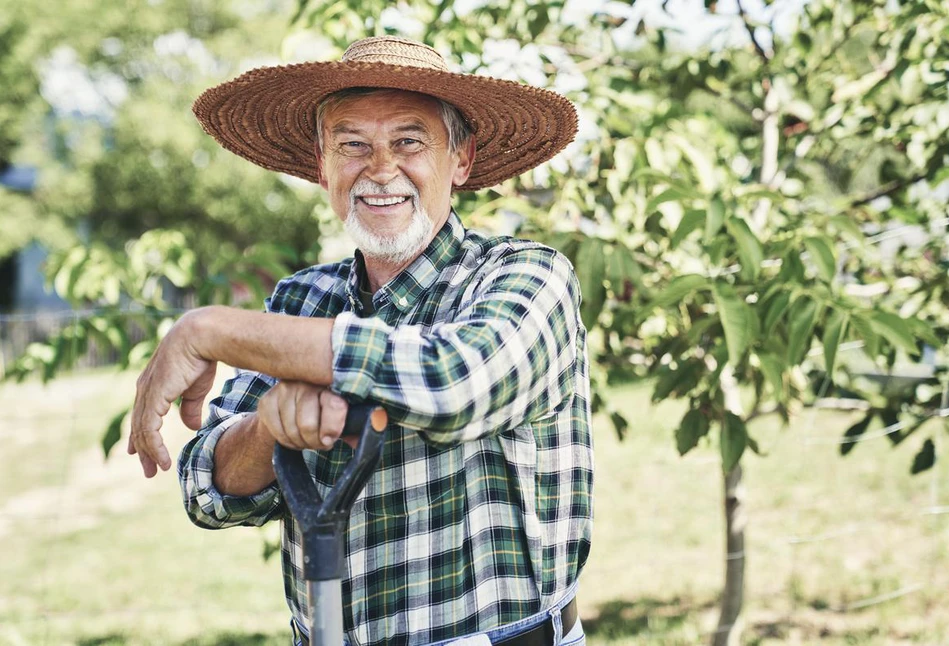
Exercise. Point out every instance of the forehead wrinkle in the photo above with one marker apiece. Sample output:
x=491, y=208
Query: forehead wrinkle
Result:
x=346, y=127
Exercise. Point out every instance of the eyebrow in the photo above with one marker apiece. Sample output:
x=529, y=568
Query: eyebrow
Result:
x=347, y=128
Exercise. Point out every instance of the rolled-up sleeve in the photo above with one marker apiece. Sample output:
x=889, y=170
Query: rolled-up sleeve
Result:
x=206, y=506
x=506, y=357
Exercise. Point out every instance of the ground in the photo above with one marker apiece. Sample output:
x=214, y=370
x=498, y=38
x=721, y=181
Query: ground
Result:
x=840, y=550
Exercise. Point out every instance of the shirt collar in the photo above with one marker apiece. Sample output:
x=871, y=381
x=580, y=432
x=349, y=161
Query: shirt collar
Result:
x=414, y=280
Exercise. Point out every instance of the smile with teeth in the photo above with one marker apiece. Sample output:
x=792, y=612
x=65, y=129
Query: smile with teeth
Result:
x=384, y=201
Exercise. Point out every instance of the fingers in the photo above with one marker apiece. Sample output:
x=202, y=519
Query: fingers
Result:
x=303, y=416
x=268, y=412
x=334, y=410
x=309, y=416
x=148, y=465
x=174, y=370
x=287, y=413
x=145, y=437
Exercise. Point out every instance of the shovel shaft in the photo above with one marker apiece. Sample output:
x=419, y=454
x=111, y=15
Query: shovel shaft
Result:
x=326, y=612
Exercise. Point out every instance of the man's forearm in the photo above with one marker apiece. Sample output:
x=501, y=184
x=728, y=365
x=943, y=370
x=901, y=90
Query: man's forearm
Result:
x=243, y=458
x=284, y=347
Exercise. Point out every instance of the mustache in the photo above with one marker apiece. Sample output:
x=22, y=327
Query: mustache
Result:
x=399, y=186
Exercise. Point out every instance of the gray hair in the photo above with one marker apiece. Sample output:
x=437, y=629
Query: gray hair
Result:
x=455, y=123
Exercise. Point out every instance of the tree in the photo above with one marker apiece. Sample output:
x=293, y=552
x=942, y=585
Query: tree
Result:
x=20, y=88
x=718, y=201
x=711, y=208
x=150, y=214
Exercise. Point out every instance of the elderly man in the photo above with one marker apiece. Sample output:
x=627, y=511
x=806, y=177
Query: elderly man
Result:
x=478, y=520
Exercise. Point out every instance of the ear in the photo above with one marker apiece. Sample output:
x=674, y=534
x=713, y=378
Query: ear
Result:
x=466, y=159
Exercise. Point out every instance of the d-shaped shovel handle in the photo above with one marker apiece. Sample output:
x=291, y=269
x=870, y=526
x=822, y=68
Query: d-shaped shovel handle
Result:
x=323, y=522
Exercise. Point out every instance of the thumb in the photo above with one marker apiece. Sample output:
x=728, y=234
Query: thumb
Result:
x=190, y=412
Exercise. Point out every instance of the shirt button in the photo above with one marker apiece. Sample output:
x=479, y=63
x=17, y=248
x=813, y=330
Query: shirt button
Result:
x=403, y=301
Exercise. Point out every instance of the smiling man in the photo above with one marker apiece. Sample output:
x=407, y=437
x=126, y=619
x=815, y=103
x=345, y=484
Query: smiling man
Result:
x=477, y=522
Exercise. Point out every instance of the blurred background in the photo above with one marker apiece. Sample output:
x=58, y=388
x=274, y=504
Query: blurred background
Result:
x=756, y=206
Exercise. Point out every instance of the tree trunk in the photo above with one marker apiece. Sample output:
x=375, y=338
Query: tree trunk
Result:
x=730, y=623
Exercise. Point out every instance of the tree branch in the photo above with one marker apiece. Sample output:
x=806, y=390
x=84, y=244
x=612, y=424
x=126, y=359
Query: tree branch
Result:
x=751, y=33
x=888, y=189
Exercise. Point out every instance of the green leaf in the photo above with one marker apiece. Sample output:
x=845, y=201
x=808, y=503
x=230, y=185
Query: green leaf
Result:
x=113, y=432
x=892, y=425
x=801, y=329
x=845, y=224
x=692, y=428
x=772, y=368
x=866, y=333
x=753, y=445
x=792, y=270
x=733, y=441
x=699, y=328
x=677, y=382
x=539, y=21
x=591, y=270
x=776, y=309
x=691, y=220
x=141, y=352
x=668, y=195
x=749, y=248
x=714, y=217
x=566, y=242
x=678, y=288
x=852, y=434
x=822, y=253
x=896, y=330
x=620, y=424
x=834, y=333
x=736, y=317
x=923, y=330
x=621, y=266
x=925, y=459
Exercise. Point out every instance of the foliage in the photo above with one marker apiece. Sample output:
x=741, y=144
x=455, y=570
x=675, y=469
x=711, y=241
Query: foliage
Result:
x=18, y=80
x=718, y=205
x=118, y=152
x=140, y=209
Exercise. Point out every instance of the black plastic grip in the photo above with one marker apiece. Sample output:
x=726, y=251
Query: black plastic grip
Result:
x=323, y=522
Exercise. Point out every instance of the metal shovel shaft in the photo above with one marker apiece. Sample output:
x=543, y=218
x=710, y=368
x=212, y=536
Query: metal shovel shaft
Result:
x=323, y=522
x=326, y=608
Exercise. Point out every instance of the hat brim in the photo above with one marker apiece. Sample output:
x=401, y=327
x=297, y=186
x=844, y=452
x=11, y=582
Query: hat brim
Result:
x=267, y=115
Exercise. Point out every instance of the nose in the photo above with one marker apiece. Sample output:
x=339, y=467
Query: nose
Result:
x=383, y=166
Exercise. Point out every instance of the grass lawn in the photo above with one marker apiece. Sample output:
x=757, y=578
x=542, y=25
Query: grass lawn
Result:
x=840, y=551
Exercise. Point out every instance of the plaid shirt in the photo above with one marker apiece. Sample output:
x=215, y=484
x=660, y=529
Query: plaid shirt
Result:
x=480, y=512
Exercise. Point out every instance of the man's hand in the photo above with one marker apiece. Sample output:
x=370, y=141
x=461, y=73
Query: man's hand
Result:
x=175, y=370
x=300, y=416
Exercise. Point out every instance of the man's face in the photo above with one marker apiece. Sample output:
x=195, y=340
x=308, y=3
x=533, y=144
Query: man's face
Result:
x=386, y=162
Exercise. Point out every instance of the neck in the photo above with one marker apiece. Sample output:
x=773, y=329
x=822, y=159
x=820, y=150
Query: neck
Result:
x=380, y=272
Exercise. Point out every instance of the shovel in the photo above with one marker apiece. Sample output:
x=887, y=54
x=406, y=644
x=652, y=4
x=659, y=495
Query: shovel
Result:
x=323, y=522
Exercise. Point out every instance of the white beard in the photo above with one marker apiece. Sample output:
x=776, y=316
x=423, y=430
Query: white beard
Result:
x=401, y=247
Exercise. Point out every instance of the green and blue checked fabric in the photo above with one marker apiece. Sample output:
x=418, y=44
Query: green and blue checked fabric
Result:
x=480, y=512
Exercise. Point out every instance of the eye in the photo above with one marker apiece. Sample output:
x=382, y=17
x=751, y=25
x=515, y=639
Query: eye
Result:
x=410, y=144
x=353, y=148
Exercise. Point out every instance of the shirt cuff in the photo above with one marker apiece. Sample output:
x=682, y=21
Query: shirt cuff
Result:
x=221, y=507
x=359, y=345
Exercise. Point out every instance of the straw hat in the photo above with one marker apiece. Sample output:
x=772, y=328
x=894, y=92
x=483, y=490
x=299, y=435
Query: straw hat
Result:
x=267, y=115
